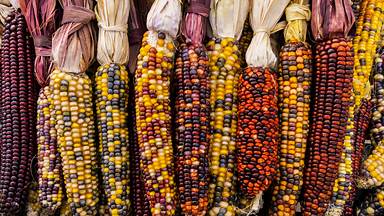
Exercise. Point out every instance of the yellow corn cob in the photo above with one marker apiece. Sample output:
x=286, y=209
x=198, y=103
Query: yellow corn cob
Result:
x=72, y=100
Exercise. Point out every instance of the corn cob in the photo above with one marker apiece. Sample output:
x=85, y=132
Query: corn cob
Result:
x=192, y=128
x=18, y=102
x=377, y=130
x=244, y=42
x=294, y=88
x=257, y=130
x=224, y=65
x=360, y=123
x=50, y=189
x=334, y=62
x=140, y=204
x=368, y=34
x=111, y=104
x=72, y=100
x=295, y=74
x=152, y=77
x=365, y=42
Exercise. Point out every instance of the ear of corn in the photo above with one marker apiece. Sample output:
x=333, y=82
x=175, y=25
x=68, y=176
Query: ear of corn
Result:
x=139, y=201
x=295, y=74
x=111, y=107
x=192, y=128
x=73, y=110
x=334, y=63
x=224, y=66
x=257, y=130
x=50, y=189
x=18, y=121
x=153, y=120
x=368, y=35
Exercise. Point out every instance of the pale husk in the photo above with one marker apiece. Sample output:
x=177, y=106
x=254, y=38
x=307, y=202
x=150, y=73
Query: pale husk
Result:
x=264, y=16
x=165, y=16
x=227, y=17
x=5, y=10
x=112, y=17
x=297, y=15
x=73, y=44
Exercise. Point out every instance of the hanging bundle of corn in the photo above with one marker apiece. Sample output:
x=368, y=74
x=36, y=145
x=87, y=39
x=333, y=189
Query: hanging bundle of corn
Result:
x=295, y=74
x=73, y=47
x=5, y=10
x=111, y=94
x=368, y=33
x=331, y=22
x=41, y=19
x=257, y=132
x=18, y=120
x=152, y=101
x=227, y=18
x=192, y=112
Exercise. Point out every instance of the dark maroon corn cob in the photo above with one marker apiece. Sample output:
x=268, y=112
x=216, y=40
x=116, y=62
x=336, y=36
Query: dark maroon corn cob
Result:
x=334, y=62
x=18, y=106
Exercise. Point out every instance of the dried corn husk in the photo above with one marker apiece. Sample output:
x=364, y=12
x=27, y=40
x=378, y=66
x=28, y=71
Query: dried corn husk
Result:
x=113, y=46
x=165, y=16
x=227, y=17
x=5, y=10
x=264, y=17
x=73, y=44
x=333, y=22
x=297, y=15
x=41, y=19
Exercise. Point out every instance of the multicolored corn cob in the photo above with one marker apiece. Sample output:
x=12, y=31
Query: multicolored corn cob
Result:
x=71, y=96
x=368, y=35
x=140, y=204
x=334, y=62
x=18, y=115
x=153, y=120
x=192, y=128
x=111, y=109
x=295, y=74
x=224, y=66
x=50, y=178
